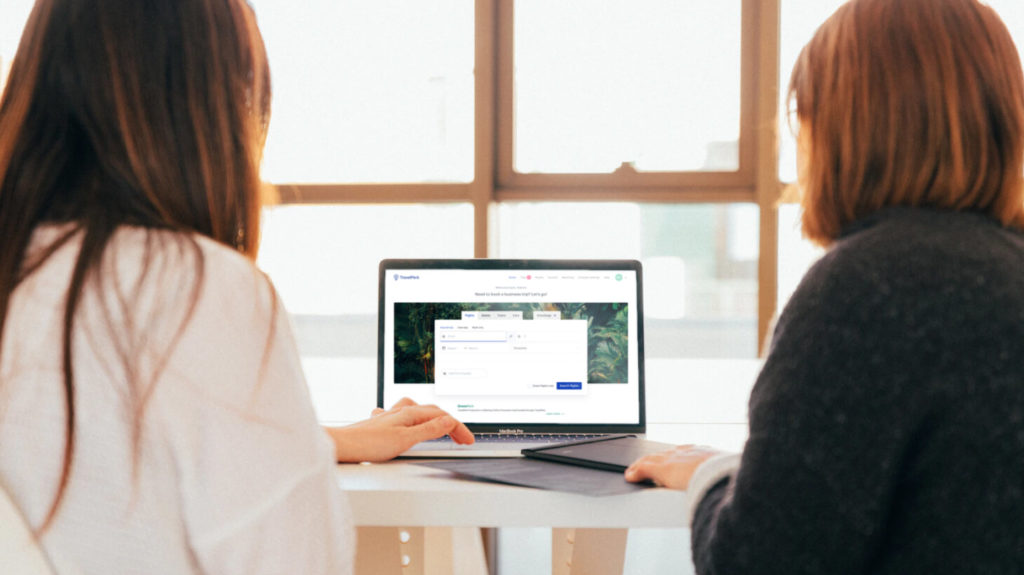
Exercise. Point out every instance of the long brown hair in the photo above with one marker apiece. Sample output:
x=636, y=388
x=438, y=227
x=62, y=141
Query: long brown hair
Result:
x=914, y=103
x=126, y=112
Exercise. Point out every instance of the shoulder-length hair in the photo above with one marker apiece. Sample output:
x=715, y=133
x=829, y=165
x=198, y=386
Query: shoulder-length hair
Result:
x=909, y=103
x=121, y=112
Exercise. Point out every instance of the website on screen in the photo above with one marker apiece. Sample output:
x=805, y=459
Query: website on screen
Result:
x=532, y=346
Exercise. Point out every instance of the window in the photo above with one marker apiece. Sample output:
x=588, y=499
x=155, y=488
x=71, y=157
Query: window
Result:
x=323, y=260
x=700, y=264
x=519, y=128
x=602, y=83
x=799, y=20
x=369, y=91
x=550, y=103
x=609, y=97
x=534, y=128
x=330, y=288
x=13, y=14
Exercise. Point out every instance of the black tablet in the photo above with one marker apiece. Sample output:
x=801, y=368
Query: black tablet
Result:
x=611, y=452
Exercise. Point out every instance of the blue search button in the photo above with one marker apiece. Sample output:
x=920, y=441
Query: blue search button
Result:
x=570, y=385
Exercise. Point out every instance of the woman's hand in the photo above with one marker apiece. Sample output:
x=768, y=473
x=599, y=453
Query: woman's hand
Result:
x=388, y=433
x=672, y=468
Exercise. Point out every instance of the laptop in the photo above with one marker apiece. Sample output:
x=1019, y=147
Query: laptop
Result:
x=525, y=352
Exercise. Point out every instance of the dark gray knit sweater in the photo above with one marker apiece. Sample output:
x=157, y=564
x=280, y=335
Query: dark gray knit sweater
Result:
x=887, y=426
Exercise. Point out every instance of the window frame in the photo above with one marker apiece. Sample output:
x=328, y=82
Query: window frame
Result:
x=495, y=181
x=627, y=183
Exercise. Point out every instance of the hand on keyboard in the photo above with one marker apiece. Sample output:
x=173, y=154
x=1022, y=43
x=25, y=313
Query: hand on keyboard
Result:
x=388, y=433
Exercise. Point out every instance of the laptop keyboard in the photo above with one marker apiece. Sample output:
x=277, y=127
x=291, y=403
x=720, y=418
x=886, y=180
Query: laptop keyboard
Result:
x=527, y=437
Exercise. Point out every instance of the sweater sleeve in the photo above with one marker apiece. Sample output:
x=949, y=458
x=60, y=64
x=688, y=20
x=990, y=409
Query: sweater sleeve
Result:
x=827, y=429
x=709, y=475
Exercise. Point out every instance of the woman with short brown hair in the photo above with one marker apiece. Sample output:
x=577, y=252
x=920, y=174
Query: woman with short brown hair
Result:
x=887, y=425
x=909, y=104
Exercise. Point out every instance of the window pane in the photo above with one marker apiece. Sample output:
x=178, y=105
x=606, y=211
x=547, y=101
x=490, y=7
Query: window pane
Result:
x=323, y=261
x=602, y=82
x=799, y=20
x=364, y=90
x=13, y=14
x=370, y=90
x=1012, y=13
x=796, y=254
x=700, y=264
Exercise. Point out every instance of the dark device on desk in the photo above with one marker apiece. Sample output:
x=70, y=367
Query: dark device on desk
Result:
x=611, y=452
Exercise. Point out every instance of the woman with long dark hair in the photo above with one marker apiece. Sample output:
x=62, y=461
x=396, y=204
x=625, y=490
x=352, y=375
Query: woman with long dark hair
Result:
x=153, y=413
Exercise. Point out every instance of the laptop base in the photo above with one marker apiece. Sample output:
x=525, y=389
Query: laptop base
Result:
x=489, y=445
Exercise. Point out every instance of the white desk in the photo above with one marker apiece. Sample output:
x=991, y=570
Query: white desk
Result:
x=399, y=493
x=688, y=401
x=398, y=498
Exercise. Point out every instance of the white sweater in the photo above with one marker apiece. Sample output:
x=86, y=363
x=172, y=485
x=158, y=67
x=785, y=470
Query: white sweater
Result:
x=231, y=473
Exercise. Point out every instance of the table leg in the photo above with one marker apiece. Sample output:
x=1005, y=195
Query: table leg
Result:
x=420, y=551
x=467, y=547
x=490, y=542
x=378, y=551
x=588, y=551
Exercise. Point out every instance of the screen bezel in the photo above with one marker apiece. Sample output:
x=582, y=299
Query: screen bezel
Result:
x=520, y=264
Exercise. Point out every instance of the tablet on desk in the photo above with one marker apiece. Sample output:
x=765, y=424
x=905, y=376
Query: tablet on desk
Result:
x=611, y=452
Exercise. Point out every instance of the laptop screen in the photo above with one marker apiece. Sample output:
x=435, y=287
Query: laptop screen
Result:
x=543, y=345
